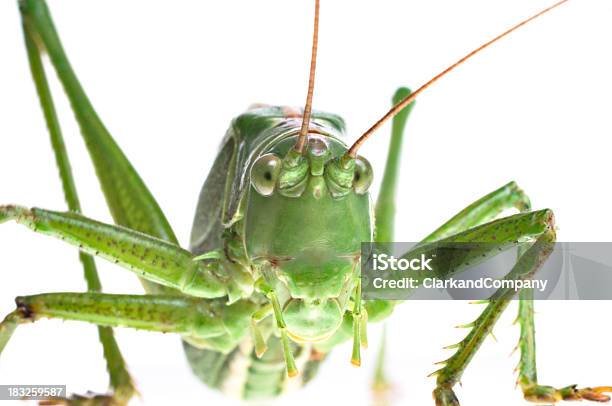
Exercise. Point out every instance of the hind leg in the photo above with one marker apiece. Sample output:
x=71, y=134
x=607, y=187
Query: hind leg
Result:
x=527, y=264
x=531, y=258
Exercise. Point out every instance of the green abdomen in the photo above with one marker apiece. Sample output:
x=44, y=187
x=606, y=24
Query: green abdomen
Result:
x=240, y=374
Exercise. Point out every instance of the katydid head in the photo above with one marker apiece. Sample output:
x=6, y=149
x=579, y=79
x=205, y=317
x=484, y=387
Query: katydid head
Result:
x=305, y=220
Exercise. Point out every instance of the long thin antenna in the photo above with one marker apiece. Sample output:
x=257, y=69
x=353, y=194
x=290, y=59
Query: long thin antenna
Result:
x=301, y=142
x=352, y=152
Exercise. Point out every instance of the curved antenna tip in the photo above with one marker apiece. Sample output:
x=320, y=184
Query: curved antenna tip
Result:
x=352, y=152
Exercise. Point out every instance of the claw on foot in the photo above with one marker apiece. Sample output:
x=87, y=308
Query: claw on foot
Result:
x=548, y=394
x=597, y=394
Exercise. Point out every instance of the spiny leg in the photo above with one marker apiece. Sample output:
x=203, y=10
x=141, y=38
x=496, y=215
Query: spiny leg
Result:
x=121, y=382
x=529, y=262
x=487, y=208
x=495, y=236
x=528, y=378
x=151, y=258
x=483, y=210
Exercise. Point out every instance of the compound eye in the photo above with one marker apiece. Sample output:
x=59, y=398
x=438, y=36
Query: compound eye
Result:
x=362, y=179
x=264, y=174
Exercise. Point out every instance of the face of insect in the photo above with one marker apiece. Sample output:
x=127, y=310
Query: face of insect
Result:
x=311, y=219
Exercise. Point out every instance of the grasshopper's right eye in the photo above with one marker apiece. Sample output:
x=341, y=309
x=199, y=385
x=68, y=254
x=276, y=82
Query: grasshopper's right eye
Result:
x=264, y=174
x=362, y=179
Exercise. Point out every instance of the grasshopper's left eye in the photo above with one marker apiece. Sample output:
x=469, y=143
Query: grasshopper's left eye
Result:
x=264, y=174
x=362, y=179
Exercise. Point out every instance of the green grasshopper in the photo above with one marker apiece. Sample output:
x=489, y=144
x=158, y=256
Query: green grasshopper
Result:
x=276, y=292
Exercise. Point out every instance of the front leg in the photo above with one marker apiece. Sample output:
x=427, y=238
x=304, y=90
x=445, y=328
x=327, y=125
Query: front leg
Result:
x=149, y=257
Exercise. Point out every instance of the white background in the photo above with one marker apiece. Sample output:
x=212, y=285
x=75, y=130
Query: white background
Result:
x=167, y=78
